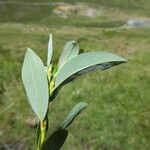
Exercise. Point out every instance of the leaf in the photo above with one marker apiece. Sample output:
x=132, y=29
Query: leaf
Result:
x=56, y=140
x=50, y=50
x=73, y=114
x=38, y=134
x=35, y=82
x=70, y=51
x=84, y=63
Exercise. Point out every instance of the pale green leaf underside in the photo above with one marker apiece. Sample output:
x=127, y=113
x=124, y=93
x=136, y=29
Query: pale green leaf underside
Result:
x=69, y=51
x=50, y=50
x=72, y=114
x=86, y=62
x=35, y=82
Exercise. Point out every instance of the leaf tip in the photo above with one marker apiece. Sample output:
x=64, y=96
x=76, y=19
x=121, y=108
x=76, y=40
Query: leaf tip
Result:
x=28, y=51
x=50, y=36
x=124, y=59
x=84, y=104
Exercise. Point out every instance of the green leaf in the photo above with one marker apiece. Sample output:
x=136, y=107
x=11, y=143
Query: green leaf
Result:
x=38, y=134
x=56, y=140
x=35, y=82
x=84, y=63
x=73, y=114
x=50, y=50
x=70, y=50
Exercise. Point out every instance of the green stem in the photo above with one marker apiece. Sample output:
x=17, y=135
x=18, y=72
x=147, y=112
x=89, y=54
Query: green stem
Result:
x=43, y=132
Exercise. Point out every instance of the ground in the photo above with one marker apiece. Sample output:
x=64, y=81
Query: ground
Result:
x=117, y=117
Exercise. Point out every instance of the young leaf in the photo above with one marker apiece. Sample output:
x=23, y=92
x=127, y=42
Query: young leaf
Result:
x=56, y=140
x=72, y=114
x=35, y=82
x=50, y=50
x=70, y=51
x=84, y=63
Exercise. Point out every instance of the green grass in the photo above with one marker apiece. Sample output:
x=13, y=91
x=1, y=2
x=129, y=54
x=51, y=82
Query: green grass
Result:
x=117, y=117
x=115, y=13
x=43, y=15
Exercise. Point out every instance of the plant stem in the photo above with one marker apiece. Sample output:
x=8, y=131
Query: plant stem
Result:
x=43, y=132
x=43, y=127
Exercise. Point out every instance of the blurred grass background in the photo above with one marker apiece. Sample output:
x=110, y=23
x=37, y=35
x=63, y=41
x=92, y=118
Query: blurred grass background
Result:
x=118, y=115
